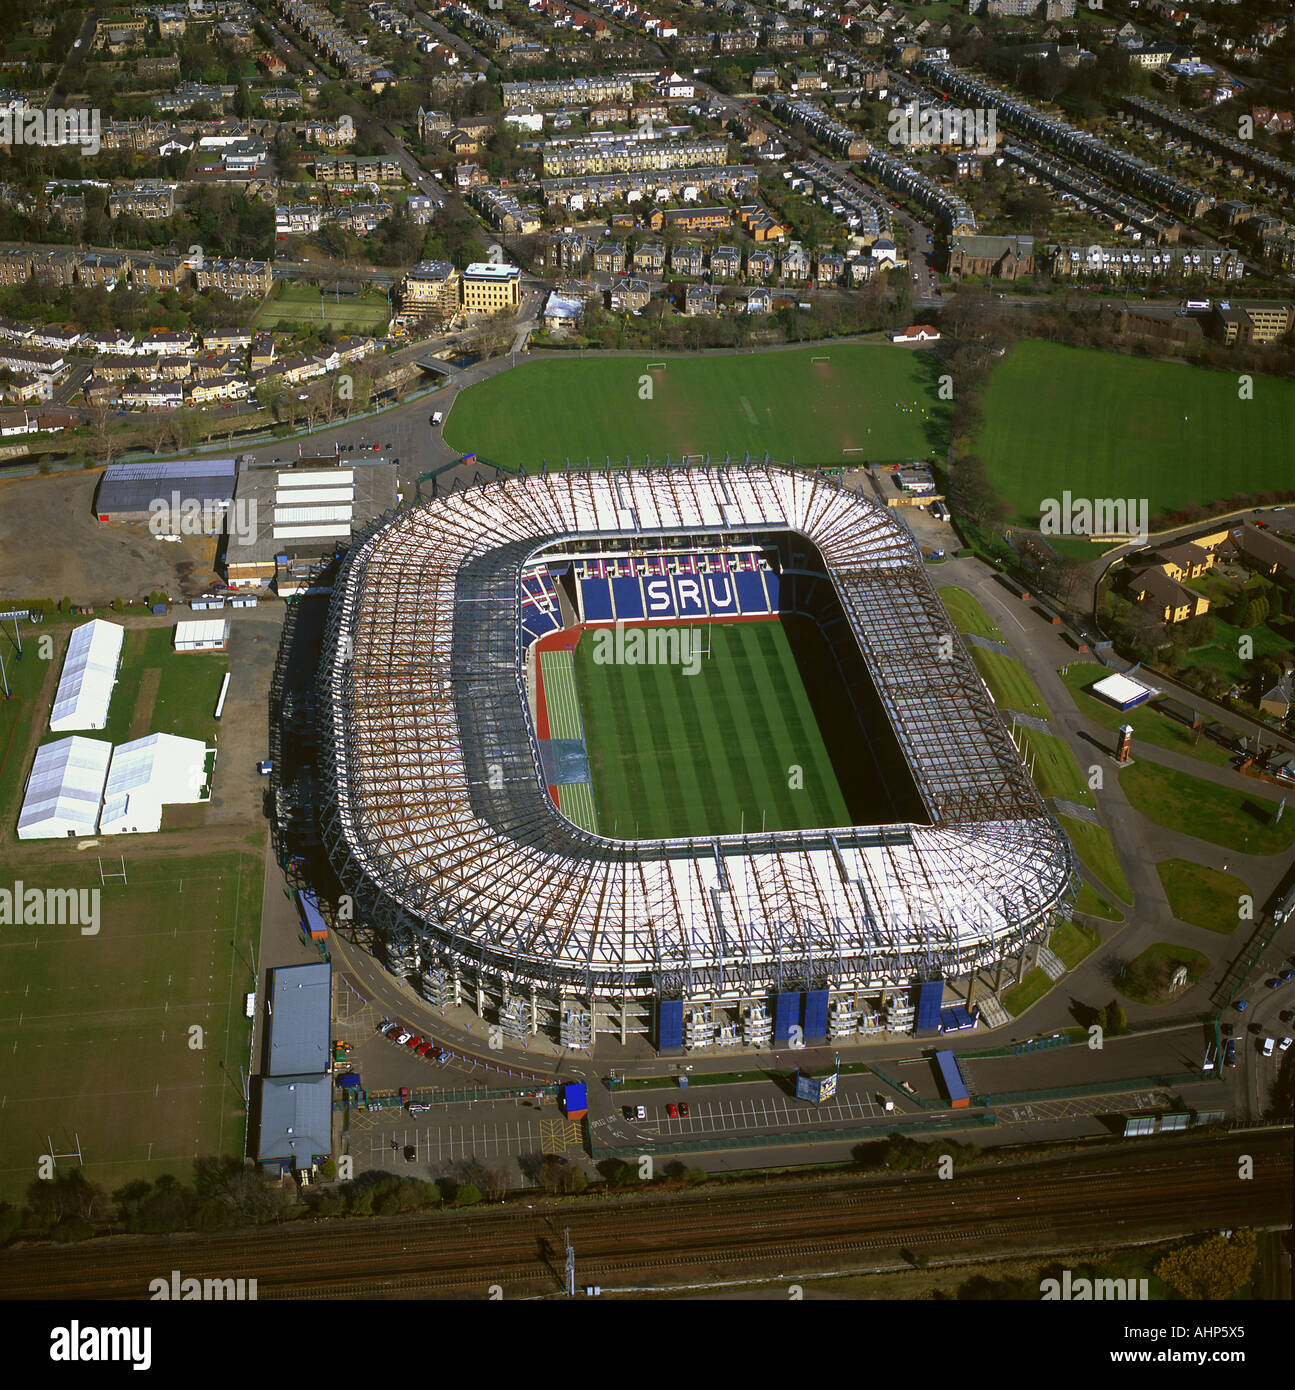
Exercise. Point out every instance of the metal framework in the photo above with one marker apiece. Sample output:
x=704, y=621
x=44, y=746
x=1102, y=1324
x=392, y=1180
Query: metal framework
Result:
x=438, y=824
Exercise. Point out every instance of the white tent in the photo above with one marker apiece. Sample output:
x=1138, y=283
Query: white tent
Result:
x=89, y=674
x=65, y=789
x=148, y=774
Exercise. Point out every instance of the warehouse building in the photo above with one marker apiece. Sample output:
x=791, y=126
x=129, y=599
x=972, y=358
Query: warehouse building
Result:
x=184, y=495
x=303, y=517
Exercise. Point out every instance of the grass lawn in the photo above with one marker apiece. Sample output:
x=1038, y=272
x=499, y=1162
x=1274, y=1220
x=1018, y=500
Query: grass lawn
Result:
x=967, y=613
x=1234, y=819
x=1204, y=897
x=1092, y=902
x=1159, y=433
x=1147, y=723
x=852, y=408
x=305, y=306
x=1056, y=773
x=1146, y=979
x=1009, y=683
x=1032, y=988
x=711, y=753
x=1096, y=851
x=1072, y=942
x=96, y=1031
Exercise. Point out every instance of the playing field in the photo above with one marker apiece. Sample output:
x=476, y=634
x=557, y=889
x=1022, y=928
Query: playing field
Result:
x=130, y=1039
x=864, y=402
x=304, y=306
x=1101, y=424
x=735, y=746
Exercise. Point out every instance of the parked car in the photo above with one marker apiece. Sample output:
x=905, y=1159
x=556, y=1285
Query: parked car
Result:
x=1283, y=1045
x=1242, y=1005
x=403, y=1036
x=1267, y=1047
x=1230, y=1052
x=411, y=1154
x=640, y=1112
x=683, y=1109
x=627, y=1111
x=672, y=1110
x=1275, y=982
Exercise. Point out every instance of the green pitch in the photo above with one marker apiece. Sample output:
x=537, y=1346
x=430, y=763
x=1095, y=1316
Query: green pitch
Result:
x=304, y=306
x=1105, y=425
x=732, y=747
x=131, y=1038
x=865, y=402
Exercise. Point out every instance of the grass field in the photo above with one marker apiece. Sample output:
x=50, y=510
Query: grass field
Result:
x=1146, y=979
x=304, y=306
x=96, y=1032
x=1096, y=851
x=1204, y=897
x=843, y=410
x=1092, y=902
x=1148, y=724
x=1009, y=683
x=967, y=613
x=1072, y=941
x=1053, y=766
x=1234, y=819
x=732, y=747
x=1107, y=425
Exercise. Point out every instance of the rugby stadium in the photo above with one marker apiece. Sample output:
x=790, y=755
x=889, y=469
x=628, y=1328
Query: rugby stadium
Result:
x=692, y=753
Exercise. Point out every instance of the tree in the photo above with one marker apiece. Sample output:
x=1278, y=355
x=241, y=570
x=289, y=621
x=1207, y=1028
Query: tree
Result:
x=1114, y=1022
x=468, y=1195
x=1213, y=1269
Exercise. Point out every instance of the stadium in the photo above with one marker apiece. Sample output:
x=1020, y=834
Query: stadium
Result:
x=780, y=628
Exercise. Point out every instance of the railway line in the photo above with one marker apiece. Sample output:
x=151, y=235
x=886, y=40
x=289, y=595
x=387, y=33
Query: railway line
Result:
x=665, y=1239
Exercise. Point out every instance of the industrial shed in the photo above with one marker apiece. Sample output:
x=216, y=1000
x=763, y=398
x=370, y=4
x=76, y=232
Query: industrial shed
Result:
x=1122, y=691
x=301, y=1003
x=65, y=789
x=296, y=1120
x=182, y=494
x=89, y=674
x=152, y=772
x=211, y=635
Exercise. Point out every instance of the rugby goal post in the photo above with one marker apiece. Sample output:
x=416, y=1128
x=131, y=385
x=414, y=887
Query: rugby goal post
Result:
x=824, y=358
x=655, y=367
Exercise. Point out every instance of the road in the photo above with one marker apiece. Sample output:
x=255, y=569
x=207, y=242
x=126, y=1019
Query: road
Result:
x=1121, y=1195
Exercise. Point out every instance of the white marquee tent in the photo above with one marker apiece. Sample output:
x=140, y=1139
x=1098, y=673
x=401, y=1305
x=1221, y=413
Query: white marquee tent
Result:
x=152, y=772
x=89, y=674
x=65, y=789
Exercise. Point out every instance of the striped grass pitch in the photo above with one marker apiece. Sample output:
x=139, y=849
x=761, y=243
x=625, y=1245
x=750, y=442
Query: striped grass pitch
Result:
x=732, y=748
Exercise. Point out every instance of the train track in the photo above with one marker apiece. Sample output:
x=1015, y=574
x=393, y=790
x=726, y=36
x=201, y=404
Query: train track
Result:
x=663, y=1239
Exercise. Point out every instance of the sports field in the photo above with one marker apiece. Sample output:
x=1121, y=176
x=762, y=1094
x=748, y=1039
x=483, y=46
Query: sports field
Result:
x=132, y=1038
x=1102, y=424
x=735, y=746
x=864, y=402
x=305, y=306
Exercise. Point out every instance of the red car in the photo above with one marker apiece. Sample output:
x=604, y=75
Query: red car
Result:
x=415, y=1042
x=672, y=1110
x=683, y=1109
x=425, y=1048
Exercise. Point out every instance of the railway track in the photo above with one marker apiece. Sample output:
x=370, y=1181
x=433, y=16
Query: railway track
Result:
x=662, y=1238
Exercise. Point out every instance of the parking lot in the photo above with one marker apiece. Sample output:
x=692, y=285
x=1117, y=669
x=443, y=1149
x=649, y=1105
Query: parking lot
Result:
x=731, y=1114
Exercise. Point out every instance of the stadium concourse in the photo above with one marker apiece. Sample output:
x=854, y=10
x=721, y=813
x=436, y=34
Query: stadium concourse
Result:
x=470, y=882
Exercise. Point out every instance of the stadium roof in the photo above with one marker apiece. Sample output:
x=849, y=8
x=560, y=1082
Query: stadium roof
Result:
x=423, y=691
x=89, y=674
x=65, y=789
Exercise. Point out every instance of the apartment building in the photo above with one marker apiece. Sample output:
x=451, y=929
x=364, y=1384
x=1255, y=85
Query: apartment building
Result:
x=489, y=289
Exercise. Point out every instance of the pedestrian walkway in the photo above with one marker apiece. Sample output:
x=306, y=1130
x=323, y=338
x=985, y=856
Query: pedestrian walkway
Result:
x=1052, y=965
x=1028, y=721
x=1072, y=808
x=974, y=639
x=992, y=1011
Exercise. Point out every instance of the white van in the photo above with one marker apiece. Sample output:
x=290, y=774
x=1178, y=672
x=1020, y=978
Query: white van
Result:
x=437, y=417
